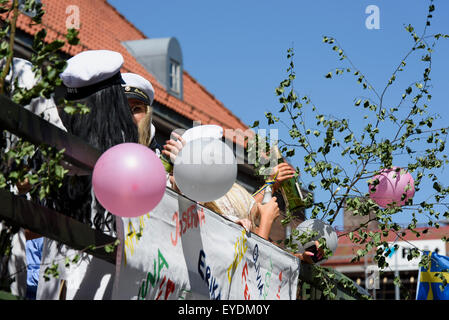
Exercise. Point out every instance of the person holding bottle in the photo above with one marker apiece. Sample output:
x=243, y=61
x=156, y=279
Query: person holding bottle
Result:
x=280, y=173
x=283, y=179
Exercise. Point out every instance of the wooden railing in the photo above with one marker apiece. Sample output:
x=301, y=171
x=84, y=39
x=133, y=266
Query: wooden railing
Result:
x=44, y=221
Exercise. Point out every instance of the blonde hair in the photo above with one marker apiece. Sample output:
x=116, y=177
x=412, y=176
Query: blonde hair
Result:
x=212, y=206
x=144, y=128
x=237, y=201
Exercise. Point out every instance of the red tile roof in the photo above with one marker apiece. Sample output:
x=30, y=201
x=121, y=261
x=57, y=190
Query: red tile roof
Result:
x=103, y=27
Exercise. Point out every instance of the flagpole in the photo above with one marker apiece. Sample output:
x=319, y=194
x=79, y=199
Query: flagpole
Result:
x=396, y=269
x=396, y=275
x=419, y=283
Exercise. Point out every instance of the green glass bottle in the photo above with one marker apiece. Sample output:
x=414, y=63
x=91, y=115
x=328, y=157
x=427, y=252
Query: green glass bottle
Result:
x=290, y=190
x=168, y=165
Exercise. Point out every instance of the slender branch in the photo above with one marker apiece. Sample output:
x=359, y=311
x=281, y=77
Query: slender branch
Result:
x=12, y=36
x=354, y=67
x=363, y=225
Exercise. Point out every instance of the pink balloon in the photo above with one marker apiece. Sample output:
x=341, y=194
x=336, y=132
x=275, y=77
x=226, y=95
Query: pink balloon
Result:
x=129, y=180
x=392, y=185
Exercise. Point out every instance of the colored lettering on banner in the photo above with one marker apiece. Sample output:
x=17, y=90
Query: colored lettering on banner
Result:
x=267, y=280
x=189, y=219
x=153, y=278
x=169, y=288
x=206, y=274
x=244, y=277
x=132, y=235
x=280, y=285
x=257, y=268
x=240, y=247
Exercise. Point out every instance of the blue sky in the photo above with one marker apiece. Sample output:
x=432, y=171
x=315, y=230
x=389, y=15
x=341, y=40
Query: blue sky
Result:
x=237, y=50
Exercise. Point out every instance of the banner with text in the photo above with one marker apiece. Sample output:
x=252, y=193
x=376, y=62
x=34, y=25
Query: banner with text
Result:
x=182, y=250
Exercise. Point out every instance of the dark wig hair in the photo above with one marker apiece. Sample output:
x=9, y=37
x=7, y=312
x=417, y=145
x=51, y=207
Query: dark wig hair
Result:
x=108, y=123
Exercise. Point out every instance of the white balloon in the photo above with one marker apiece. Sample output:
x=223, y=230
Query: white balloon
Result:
x=205, y=169
x=324, y=230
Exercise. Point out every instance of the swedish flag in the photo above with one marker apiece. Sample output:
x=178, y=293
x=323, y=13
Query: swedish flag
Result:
x=430, y=284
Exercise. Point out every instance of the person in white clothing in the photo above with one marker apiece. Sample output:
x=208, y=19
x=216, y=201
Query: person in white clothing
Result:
x=92, y=78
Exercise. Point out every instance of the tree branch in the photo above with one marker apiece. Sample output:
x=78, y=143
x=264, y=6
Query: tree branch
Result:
x=11, y=46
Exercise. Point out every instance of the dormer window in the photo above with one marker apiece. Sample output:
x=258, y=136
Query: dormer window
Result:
x=162, y=57
x=175, y=76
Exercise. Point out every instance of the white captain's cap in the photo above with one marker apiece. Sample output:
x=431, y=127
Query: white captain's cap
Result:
x=91, y=71
x=138, y=87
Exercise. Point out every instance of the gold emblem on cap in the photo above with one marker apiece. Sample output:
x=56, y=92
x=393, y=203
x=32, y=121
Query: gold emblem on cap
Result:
x=140, y=91
x=127, y=88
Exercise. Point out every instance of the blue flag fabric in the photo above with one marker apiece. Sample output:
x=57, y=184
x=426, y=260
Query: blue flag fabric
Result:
x=430, y=285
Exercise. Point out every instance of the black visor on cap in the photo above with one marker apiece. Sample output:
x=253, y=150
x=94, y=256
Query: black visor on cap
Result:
x=136, y=93
x=83, y=92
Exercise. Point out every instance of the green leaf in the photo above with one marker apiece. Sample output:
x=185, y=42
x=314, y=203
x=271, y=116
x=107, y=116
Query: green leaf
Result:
x=255, y=124
x=366, y=104
x=72, y=36
x=349, y=137
x=109, y=248
x=409, y=28
x=76, y=258
x=70, y=109
x=437, y=186
x=53, y=46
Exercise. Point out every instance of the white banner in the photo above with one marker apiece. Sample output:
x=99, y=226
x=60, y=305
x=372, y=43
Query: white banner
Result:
x=178, y=251
x=184, y=251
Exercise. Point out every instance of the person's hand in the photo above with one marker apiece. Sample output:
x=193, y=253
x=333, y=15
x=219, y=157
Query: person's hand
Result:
x=173, y=183
x=307, y=255
x=284, y=172
x=245, y=223
x=268, y=211
x=172, y=147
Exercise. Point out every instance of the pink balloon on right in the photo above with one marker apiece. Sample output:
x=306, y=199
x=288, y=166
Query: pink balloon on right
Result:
x=395, y=187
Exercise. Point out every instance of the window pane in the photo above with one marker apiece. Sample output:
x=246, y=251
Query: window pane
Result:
x=174, y=77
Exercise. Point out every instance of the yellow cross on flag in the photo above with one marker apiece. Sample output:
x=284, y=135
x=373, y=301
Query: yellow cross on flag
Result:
x=432, y=284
